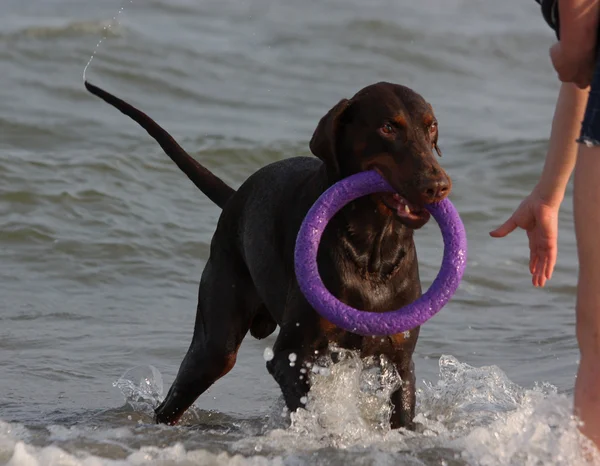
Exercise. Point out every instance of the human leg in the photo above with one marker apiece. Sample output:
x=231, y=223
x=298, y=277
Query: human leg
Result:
x=586, y=206
x=586, y=201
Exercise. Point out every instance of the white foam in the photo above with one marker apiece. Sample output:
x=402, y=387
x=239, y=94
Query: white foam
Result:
x=27, y=455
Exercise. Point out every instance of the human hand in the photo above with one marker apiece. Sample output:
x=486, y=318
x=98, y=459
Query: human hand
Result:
x=573, y=67
x=540, y=220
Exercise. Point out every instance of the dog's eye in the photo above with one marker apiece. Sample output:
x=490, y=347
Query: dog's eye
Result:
x=433, y=127
x=387, y=129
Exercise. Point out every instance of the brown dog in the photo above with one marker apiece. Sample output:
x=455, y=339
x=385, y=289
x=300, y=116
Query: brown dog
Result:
x=367, y=257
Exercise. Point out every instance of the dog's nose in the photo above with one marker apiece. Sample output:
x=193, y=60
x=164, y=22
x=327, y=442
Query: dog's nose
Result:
x=435, y=190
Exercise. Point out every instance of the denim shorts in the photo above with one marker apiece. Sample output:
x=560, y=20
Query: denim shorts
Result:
x=590, y=128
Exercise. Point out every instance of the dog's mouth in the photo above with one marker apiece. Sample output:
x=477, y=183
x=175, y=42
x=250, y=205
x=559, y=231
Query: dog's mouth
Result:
x=409, y=214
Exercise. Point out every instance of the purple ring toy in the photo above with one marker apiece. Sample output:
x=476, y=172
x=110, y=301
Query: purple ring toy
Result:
x=376, y=323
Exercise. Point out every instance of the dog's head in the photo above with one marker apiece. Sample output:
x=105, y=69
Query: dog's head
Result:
x=393, y=130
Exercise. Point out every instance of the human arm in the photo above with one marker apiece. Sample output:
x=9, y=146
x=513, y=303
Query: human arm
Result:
x=562, y=146
x=538, y=213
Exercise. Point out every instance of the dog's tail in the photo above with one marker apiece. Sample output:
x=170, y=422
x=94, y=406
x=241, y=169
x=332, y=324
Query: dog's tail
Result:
x=215, y=188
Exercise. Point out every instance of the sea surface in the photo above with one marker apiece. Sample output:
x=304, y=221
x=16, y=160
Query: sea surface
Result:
x=103, y=240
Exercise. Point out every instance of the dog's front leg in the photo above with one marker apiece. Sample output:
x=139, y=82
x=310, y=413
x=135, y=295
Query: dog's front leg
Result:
x=287, y=368
x=299, y=337
x=291, y=353
x=404, y=399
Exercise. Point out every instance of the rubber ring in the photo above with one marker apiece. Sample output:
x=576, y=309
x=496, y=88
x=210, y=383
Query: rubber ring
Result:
x=376, y=323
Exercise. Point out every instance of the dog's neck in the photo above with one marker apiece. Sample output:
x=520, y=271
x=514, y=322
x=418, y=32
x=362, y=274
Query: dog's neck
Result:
x=370, y=236
x=371, y=260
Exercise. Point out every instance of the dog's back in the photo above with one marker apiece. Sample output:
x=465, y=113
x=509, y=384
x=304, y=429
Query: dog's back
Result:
x=274, y=196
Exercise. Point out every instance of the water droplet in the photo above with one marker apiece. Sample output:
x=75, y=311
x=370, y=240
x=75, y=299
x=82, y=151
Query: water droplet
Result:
x=104, y=36
x=268, y=354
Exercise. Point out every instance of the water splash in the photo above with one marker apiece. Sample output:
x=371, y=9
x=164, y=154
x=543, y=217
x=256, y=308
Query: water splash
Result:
x=494, y=422
x=348, y=404
x=466, y=397
x=142, y=387
x=470, y=416
x=105, y=31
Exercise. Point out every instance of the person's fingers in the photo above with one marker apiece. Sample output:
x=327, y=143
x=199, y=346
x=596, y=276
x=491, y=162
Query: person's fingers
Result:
x=535, y=260
x=532, y=254
x=543, y=247
x=542, y=272
x=533, y=263
x=541, y=281
x=504, y=229
x=547, y=247
x=555, y=55
x=535, y=277
x=582, y=83
x=552, y=253
x=539, y=274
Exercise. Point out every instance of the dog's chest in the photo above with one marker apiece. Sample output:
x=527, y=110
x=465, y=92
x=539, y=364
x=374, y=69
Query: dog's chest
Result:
x=375, y=294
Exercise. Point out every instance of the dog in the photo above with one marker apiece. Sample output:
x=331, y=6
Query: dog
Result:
x=367, y=257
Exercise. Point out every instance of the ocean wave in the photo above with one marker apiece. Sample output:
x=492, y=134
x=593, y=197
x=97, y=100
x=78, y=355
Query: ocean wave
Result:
x=98, y=28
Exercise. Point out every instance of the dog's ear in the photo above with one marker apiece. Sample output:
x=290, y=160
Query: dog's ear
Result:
x=323, y=142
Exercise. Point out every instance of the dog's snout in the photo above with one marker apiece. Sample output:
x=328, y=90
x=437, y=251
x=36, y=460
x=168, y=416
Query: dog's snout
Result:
x=435, y=190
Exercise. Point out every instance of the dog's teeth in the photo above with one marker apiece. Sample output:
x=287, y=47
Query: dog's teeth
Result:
x=406, y=209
